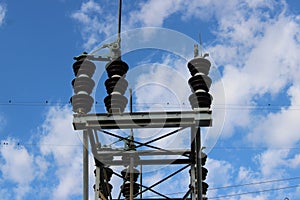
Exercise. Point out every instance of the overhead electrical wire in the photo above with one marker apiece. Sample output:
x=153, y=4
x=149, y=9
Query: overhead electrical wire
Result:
x=254, y=192
x=247, y=184
x=255, y=183
x=260, y=107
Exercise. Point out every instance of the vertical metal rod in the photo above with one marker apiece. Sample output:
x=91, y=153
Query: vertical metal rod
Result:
x=198, y=163
x=85, y=165
x=193, y=162
x=141, y=181
x=119, y=21
x=131, y=178
x=130, y=91
x=97, y=189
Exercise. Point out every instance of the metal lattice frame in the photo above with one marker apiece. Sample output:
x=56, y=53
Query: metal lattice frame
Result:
x=93, y=123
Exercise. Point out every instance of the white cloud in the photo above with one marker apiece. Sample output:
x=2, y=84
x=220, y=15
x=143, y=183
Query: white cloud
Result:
x=154, y=12
x=272, y=161
x=2, y=13
x=219, y=174
x=57, y=129
x=96, y=24
x=18, y=167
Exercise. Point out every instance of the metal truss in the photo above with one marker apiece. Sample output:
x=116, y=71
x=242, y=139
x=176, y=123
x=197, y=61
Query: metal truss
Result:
x=104, y=123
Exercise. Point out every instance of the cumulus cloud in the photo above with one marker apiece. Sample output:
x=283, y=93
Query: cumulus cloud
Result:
x=18, y=167
x=56, y=159
x=57, y=129
x=96, y=24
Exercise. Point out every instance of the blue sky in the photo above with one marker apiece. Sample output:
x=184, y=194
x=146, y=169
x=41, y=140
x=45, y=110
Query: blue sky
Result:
x=254, y=45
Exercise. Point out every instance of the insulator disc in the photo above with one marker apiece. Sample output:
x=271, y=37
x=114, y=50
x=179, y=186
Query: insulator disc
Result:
x=109, y=172
x=82, y=103
x=199, y=65
x=204, y=173
x=200, y=100
x=135, y=173
x=125, y=189
x=203, y=159
x=115, y=103
x=103, y=189
x=204, y=188
x=84, y=67
x=200, y=82
x=116, y=67
x=116, y=84
x=83, y=84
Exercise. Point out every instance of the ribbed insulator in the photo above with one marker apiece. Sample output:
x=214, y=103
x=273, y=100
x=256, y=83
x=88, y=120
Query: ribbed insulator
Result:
x=105, y=189
x=204, y=188
x=199, y=65
x=116, y=68
x=116, y=85
x=200, y=100
x=204, y=173
x=200, y=82
x=126, y=174
x=84, y=66
x=115, y=103
x=82, y=103
x=125, y=189
x=83, y=85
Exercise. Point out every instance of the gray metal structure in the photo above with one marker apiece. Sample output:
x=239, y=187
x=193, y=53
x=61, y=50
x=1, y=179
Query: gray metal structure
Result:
x=107, y=123
x=90, y=124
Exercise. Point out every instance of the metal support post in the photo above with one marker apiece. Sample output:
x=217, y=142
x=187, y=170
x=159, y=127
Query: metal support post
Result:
x=198, y=163
x=97, y=188
x=193, y=162
x=131, y=178
x=85, y=166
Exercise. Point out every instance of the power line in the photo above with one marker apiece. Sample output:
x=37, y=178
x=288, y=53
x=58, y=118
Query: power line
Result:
x=254, y=192
x=256, y=183
x=11, y=102
x=247, y=184
x=252, y=148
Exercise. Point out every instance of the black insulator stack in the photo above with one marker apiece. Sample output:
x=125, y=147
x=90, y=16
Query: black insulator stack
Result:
x=116, y=85
x=105, y=176
x=200, y=83
x=83, y=84
x=125, y=188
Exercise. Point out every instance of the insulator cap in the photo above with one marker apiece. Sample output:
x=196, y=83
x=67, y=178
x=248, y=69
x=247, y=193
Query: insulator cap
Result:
x=199, y=65
x=203, y=158
x=84, y=66
x=204, y=173
x=115, y=103
x=83, y=84
x=204, y=188
x=200, y=100
x=103, y=189
x=125, y=189
x=116, y=84
x=200, y=82
x=135, y=173
x=82, y=103
x=116, y=67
